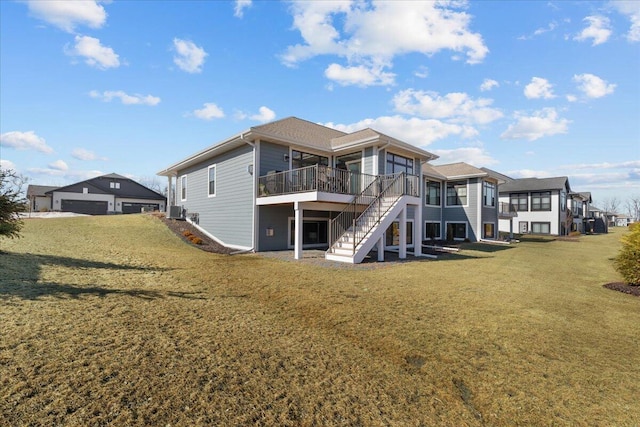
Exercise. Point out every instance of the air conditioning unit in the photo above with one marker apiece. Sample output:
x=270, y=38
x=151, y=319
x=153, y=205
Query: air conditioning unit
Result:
x=175, y=212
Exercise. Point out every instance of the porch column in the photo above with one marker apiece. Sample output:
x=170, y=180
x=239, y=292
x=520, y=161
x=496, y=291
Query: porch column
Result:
x=417, y=231
x=169, y=195
x=381, y=248
x=402, y=249
x=297, y=247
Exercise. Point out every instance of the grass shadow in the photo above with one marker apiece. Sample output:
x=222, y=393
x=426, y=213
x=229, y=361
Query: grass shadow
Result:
x=20, y=276
x=486, y=247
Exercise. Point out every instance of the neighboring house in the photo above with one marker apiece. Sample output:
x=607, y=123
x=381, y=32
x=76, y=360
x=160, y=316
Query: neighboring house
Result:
x=623, y=220
x=106, y=194
x=599, y=220
x=461, y=202
x=39, y=201
x=293, y=184
x=579, y=204
x=541, y=205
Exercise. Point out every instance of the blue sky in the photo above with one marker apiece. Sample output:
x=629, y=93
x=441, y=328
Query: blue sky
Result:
x=525, y=88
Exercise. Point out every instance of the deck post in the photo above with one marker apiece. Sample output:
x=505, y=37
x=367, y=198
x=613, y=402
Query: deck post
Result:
x=169, y=195
x=381, y=249
x=402, y=244
x=297, y=248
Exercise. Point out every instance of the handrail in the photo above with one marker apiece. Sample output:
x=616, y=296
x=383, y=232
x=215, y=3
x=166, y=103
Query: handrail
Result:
x=360, y=225
x=313, y=178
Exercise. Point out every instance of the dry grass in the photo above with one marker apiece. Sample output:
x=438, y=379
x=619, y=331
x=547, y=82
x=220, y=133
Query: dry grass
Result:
x=115, y=320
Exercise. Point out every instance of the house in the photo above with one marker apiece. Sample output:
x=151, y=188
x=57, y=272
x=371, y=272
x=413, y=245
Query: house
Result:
x=469, y=207
x=39, y=200
x=579, y=204
x=294, y=184
x=106, y=194
x=541, y=205
x=599, y=220
x=623, y=220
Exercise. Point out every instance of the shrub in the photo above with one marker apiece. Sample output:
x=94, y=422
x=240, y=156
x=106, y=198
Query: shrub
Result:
x=187, y=234
x=195, y=240
x=628, y=260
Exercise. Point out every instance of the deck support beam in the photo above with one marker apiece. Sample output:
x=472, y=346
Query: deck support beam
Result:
x=298, y=215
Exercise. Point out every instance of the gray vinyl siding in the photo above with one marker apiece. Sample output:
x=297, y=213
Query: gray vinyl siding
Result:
x=382, y=162
x=272, y=158
x=229, y=215
x=277, y=218
x=468, y=214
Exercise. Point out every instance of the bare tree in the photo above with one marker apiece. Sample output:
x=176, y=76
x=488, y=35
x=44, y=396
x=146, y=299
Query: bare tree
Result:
x=633, y=207
x=152, y=183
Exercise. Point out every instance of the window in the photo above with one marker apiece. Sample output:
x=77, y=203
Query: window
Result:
x=115, y=185
x=301, y=160
x=541, y=227
x=432, y=193
x=392, y=236
x=563, y=200
x=212, y=180
x=489, y=193
x=456, y=230
x=519, y=201
x=314, y=232
x=183, y=187
x=432, y=230
x=541, y=201
x=489, y=230
x=397, y=164
x=457, y=193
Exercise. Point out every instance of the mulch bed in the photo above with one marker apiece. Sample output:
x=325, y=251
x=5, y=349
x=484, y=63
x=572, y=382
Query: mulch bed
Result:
x=208, y=244
x=623, y=287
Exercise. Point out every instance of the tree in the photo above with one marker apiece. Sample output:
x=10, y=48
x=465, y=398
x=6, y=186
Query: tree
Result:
x=628, y=260
x=12, y=203
x=633, y=207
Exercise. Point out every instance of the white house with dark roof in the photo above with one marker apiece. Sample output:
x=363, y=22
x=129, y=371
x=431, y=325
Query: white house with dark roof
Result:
x=39, y=200
x=541, y=204
x=294, y=184
x=106, y=194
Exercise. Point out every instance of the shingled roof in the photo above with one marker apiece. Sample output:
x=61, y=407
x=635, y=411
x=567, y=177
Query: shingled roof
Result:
x=535, y=184
x=39, y=190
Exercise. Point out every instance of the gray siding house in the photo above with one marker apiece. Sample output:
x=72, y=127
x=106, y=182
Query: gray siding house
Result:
x=294, y=184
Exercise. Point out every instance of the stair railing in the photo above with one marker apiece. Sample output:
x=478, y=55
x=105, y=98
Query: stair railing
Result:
x=381, y=194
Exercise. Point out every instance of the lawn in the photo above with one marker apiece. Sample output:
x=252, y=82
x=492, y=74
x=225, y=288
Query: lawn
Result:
x=115, y=320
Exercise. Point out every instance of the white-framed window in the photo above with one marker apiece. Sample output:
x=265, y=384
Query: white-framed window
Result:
x=489, y=193
x=432, y=191
x=456, y=230
x=392, y=235
x=115, y=185
x=183, y=188
x=432, y=230
x=457, y=193
x=488, y=230
x=211, y=180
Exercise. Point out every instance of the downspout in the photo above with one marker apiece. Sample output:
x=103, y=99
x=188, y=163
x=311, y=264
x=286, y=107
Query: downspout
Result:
x=253, y=196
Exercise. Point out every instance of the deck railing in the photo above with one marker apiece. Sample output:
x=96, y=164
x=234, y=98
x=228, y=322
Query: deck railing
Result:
x=313, y=178
x=507, y=210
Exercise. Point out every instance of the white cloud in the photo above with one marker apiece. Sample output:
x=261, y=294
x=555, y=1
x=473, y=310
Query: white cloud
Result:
x=632, y=10
x=95, y=54
x=539, y=88
x=598, y=30
x=488, y=84
x=593, y=86
x=422, y=72
x=7, y=164
x=25, y=141
x=528, y=173
x=189, y=57
x=539, y=31
x=605, y=165
x=136, y=99
x=419, y=132
x=240, y=6
x=572, y=98
x=363, y=38
x=87, y=155
x=359, y=75
x=457, y=107
x=475, y=156
x=265, y=115
x=542, y=123
x=210, y=111
x=66, y=14
x=59, y=165
x=70, y=175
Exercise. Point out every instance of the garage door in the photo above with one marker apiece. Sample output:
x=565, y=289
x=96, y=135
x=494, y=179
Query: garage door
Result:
x=128, y=208
x=84, y=207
